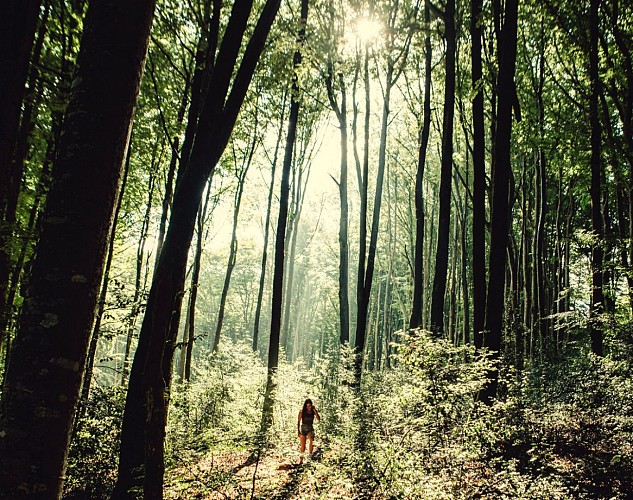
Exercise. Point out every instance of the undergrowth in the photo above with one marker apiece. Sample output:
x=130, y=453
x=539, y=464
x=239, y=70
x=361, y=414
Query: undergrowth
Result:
x=560, y=430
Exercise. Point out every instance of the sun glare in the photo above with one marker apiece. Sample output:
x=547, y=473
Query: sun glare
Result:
x=367, y=30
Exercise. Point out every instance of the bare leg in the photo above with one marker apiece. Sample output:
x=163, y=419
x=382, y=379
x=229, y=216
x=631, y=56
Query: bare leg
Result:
x=302, y=446
x=311, y=438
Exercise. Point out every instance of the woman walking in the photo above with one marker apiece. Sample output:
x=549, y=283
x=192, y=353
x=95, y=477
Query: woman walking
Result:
x=305, y=426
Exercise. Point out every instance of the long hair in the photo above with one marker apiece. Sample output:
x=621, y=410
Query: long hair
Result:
x=305, y=406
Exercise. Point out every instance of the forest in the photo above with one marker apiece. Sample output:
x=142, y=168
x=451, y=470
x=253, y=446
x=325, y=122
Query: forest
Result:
x=417, y=214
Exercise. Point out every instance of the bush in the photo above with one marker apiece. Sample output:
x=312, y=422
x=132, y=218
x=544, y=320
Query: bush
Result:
x=93, y=455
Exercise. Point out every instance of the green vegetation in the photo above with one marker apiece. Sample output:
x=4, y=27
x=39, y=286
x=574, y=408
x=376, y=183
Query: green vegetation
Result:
x=418, y=214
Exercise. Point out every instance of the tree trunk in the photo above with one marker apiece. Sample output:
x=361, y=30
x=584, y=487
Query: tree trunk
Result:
x=597, y=295
x=500, y=215
x=17, y=33
x=343, y=276
x=280, y=244
x=361, y=320
x=479, y=178
x=145, y=412
x=418, y=268
x=50, y=350
x=239, y=189
x=262, y=276
x=441, y=255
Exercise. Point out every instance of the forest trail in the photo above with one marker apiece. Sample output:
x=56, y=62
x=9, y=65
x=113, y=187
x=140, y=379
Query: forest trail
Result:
x=230, y=475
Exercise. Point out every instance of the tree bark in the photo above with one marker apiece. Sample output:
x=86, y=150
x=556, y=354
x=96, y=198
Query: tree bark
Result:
x=262, y=276
x=418, y=268
x=500, y=216
x=441, y=255
x=479, y=178
x=145, y=412
x=44, y=376
x=17, y=33
x=280, y=243
x=597, y=295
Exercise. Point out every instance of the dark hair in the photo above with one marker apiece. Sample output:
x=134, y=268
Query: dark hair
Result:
x=305, y=406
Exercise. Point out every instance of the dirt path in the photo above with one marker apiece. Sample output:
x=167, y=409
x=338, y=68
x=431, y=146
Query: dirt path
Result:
x=236, y=476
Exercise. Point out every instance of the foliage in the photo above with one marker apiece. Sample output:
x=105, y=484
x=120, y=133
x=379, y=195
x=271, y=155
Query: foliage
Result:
x=94, y=447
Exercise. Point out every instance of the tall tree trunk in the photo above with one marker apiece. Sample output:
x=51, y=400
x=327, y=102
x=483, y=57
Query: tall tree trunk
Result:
x=190, y=327
x=500, y=216
x=50, y=350
x=418, y=268
x=145, y=411
x=101, y=302
x=479, y=177
x=343, y=275
x=280, y=244
x=597, y=295
x=441, y=255
x=140, y=264
x=363, y=182
x=262, y=276
x=361, y=321
x=17, y=33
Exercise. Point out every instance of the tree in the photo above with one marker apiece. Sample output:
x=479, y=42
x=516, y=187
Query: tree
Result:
x=418, y=266
x=44, y=377
x=17, y=32
x=282, y=219
x=142, y=439
x=479, y=177
x=597, y=253
x=441, y=255
x=500, y=214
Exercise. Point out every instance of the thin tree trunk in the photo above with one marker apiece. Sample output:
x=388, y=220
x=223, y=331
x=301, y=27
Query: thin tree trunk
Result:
x=138, y=280
x=441, y=255
x=343, y=282
x=241, y=179
x=597, y=295
x=280, y=244
x=418, y=268
x=190, y=326
x=101, y=303
x=500, y=216
x=479, y=177
x=262, y=276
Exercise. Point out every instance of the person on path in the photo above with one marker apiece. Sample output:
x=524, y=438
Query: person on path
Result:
x=305, y=426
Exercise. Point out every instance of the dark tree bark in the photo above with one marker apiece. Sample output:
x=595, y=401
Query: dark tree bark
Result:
x=395, y=66
x=189, y=335
x=44, y=376
x=343, y=275
x=145, y=412
x=101, y=302
x=418, y=268
x=280, y=243
x=443, y=229
x=479, y=178
x=17, y=33
x=262, y=276
x=363, y=182
x=597, y=295
x=500, y=216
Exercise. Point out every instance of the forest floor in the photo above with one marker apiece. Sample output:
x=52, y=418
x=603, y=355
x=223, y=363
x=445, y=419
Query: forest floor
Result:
x=236, y=475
